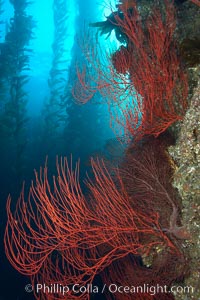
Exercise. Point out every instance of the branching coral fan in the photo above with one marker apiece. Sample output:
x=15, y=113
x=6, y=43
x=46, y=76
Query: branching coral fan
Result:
x=155, y=79
x=59, y=236
x=127, y=227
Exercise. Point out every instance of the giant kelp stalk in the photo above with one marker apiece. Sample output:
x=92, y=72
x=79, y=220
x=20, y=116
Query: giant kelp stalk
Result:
x=54, y=113
x=15, y=63
x=1, y=11
x=61, y=236
x=1, y=64
x=146, y=69
x=84, y=127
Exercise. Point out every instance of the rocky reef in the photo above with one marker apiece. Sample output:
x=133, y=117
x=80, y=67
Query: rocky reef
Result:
x=186, y=154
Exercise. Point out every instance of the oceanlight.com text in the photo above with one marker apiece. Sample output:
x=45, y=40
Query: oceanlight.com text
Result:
x=113, y=288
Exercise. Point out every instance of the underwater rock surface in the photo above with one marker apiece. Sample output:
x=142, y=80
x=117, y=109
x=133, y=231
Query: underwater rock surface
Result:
x=186, y=154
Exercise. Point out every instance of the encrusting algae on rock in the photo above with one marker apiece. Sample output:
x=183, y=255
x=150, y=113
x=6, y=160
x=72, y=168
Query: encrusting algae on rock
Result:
x=186, y=154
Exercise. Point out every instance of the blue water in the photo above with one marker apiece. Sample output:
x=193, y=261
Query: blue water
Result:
x=84, y=130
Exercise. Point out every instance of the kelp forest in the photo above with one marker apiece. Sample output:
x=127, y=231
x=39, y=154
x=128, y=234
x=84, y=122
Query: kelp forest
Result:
x=100, y=154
